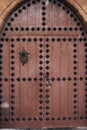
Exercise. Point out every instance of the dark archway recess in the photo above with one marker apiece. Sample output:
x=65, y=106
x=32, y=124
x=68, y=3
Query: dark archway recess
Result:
x=50, y=89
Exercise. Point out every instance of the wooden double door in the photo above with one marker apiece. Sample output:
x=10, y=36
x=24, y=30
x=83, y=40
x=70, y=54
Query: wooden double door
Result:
x=44, y=92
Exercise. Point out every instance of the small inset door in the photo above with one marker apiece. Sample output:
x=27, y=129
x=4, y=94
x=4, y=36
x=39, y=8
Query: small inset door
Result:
x=29, y=81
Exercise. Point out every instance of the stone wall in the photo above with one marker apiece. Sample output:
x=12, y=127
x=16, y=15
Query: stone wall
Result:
x=7, y=7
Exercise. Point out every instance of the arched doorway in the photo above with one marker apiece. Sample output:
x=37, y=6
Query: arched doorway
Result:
x=49, y=89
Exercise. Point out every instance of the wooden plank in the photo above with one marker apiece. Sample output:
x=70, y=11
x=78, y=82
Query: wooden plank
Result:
x=5, y=85
x=38, y=19
x=55, y=68
x=70, y=82
x=23, y=84
x=72, y=24
x=14, y=84
x=14, y=29
x=33, y=83
x=82, y=84
x=32, y=73
x=48, y=17
x=48, y=84
x=72, y=95
x=64, y=83
x=31, y=19
x=59, y=19
x=41, y=82
x=75, y=81
x=23, y=20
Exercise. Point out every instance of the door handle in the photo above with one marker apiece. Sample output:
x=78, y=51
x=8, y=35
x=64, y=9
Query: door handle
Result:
x=48, y=80
x=23, y=54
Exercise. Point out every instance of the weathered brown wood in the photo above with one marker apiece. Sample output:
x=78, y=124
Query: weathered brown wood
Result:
x=50, y=89
x=15, y=86
x=5, y=86
x=82, y=92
